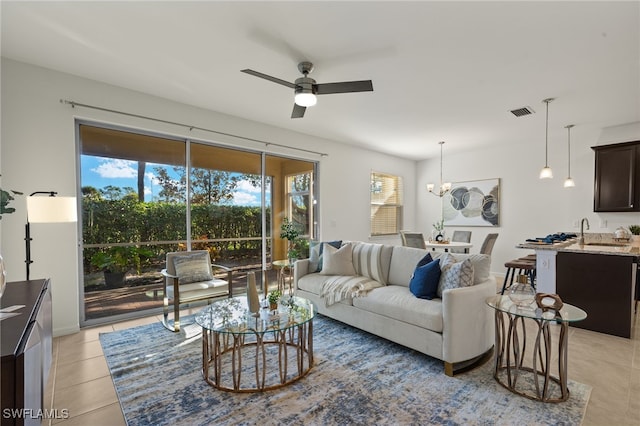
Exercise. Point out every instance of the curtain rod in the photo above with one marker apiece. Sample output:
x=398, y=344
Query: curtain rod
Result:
x=190, y=127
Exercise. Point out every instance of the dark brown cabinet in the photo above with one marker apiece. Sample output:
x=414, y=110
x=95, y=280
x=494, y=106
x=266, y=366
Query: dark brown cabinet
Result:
x=617, y=178
x=26, y=352
x=601, y=285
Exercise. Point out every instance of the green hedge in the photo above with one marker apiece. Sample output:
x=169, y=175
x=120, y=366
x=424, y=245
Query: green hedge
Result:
x=131, y=221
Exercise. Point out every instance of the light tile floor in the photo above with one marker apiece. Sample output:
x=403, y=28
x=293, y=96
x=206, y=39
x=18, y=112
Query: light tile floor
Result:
x=80, y=381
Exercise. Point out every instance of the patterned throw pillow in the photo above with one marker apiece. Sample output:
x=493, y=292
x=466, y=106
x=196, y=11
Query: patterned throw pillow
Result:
x=192, y=268
x=315, y=254
x=454, y=274
x=337, y=261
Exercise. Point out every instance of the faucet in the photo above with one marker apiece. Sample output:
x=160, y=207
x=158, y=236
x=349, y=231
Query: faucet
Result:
x=584, y=219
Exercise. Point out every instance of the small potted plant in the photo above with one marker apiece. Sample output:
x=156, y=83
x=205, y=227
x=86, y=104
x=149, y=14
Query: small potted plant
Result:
x=273, y=298
x=115, y=262
x=635, y=233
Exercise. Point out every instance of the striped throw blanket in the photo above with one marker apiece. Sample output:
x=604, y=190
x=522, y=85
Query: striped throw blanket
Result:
x=338, y=288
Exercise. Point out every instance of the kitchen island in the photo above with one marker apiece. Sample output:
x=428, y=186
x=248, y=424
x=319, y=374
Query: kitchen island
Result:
x=599, y=276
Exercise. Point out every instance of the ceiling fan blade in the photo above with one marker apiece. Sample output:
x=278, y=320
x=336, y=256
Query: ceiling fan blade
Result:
x=298, y=111
x=344, y=87
x=268, y=77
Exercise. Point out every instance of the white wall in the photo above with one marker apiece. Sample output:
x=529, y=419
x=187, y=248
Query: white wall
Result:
x=38, y=153
x=529, y=207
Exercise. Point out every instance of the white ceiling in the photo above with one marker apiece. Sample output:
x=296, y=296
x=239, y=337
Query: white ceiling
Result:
x=441, y=70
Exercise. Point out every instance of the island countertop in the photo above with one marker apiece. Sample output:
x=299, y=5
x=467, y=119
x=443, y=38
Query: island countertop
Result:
x=590, y=247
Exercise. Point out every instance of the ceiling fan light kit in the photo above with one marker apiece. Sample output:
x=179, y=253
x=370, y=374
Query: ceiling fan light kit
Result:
x=306, y=88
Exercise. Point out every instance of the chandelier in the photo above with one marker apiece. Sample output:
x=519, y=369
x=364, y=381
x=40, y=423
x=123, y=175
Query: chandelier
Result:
x=444, y=186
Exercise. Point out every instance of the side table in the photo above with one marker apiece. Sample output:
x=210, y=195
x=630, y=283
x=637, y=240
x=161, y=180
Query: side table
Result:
x=510, y=348
x=285, y=274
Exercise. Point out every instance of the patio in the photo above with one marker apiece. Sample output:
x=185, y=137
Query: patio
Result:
x=138, y=298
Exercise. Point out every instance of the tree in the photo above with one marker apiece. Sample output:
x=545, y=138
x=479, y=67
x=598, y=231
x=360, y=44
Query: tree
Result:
x=141, y=167
x=207, y=186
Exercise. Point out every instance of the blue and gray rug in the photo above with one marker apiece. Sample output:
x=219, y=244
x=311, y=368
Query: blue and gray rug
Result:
x=357, y=379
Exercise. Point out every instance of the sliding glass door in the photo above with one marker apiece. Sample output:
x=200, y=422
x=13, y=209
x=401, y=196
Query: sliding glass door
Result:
x=145, y=195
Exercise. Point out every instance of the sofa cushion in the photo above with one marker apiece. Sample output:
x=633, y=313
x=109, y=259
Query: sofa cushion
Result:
x=192, y=268
x=454, y=274
x=337, y=261
x=312, y=283
x=403, y=263
x=372, y=261
x=315, y=254
x=424, y=283
x=397, y=302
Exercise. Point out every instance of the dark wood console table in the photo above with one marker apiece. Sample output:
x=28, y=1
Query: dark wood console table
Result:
x=26, y=346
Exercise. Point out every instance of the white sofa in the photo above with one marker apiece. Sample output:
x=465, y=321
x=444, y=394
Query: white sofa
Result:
x=457, y=328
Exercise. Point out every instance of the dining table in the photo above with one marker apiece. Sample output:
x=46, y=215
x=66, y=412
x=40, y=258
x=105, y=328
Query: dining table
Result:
x=445, y=246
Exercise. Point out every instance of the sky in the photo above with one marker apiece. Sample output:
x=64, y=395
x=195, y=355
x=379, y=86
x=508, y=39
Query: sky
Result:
x=100, y=172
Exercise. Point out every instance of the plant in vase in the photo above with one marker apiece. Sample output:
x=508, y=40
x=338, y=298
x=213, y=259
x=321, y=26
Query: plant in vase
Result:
x=438, y=231
x=273, y=298
x=635, y=232
x=289, y=232
x=115, y=262
x=6, y=197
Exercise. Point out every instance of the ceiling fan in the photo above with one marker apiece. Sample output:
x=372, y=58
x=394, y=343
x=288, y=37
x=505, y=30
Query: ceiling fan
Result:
x=306, y=88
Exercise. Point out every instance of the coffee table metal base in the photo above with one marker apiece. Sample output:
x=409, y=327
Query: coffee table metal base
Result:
x=510, y=356
x=222, y=351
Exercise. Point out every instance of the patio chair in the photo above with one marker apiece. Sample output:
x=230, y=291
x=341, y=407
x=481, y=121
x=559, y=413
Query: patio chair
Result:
x=189, y=278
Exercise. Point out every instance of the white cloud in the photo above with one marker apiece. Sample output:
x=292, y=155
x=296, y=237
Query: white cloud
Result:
x=116, y=168
x=245, y=199
x=246, y=186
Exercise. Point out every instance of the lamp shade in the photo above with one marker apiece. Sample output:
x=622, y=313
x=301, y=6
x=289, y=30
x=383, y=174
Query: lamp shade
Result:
x=51, y=209
x=546, y=173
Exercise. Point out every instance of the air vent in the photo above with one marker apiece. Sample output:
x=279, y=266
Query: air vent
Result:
x=519, y=112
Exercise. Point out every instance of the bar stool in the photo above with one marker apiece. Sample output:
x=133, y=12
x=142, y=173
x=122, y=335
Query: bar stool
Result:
x=522, y=266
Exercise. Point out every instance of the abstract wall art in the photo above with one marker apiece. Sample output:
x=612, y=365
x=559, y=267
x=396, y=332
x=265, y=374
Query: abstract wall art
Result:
x=472, y=203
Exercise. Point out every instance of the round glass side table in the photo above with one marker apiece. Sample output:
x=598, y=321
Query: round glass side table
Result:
x=532, y=380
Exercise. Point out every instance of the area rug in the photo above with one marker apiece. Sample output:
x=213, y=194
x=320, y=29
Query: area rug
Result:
x=357, y=379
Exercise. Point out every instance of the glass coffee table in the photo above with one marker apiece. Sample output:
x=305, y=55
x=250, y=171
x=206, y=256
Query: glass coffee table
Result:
x=533, y=380
x=245, y=352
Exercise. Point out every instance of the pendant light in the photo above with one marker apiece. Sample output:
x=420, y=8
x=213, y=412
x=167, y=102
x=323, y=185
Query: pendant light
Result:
x=444, y=187
x=568, y=182
x=546, y=172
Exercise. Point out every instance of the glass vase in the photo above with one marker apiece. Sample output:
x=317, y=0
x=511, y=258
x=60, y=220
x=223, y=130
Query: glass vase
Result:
x=522, y=293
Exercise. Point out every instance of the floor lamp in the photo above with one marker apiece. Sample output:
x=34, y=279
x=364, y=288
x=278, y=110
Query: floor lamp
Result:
x=49, y=209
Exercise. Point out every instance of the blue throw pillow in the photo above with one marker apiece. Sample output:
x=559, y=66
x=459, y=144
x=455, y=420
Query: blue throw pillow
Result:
x=425, y=260
x=424, y=283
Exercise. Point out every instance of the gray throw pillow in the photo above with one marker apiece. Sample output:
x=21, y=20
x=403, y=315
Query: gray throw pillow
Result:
x=192, y=268
x=338, y=261
x=315, y=254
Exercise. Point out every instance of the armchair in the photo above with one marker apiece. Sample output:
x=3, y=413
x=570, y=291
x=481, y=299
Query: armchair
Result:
x=189, y=278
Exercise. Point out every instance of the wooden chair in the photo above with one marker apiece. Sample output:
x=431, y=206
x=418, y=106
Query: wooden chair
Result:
x=412, y=239
x=189, y=277
x=462, y=237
